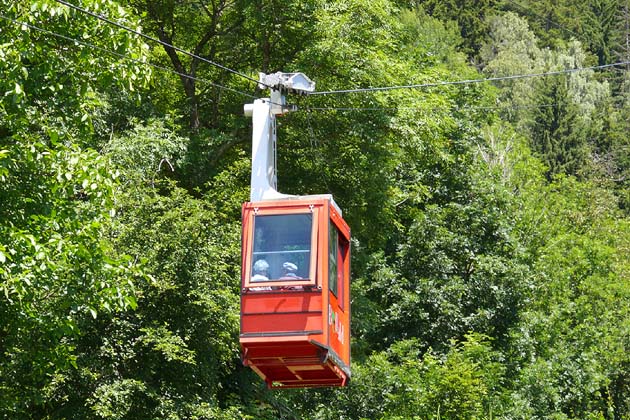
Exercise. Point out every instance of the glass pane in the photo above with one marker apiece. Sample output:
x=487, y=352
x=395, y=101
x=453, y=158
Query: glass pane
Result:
x=282, y=247
x=332, y=261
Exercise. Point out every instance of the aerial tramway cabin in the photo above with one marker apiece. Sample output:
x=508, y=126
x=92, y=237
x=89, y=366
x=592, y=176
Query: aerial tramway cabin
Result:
x=295, y=281
x=295, y=302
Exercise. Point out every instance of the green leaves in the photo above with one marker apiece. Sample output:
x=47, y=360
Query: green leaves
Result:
x=481, y=288
x=56, y=270
x=172, y=347
x=570, y=340
x=53, y=81
x=405, y=382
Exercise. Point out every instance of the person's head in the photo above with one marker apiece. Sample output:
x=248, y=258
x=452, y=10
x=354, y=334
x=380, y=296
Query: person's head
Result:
x=289, y=267
x=261, y=267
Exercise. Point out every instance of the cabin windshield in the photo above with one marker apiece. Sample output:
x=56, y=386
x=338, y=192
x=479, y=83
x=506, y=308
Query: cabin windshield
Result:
x=282, y=247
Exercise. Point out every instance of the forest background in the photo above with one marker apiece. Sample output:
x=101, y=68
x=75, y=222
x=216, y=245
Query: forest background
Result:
x=491, y=250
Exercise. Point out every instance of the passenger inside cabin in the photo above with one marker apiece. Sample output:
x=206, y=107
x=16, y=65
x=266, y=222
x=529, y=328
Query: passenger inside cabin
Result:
x=261, y=273
x=289, y=271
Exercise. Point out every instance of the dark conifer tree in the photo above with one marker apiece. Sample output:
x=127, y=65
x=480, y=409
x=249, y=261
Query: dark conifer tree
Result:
x=556, y=136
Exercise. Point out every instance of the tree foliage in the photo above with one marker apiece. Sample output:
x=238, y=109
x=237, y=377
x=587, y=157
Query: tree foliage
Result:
x=57, y=268
x=490, y=221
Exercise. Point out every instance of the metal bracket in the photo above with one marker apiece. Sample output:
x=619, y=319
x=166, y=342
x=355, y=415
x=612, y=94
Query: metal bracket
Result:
x=296, y=83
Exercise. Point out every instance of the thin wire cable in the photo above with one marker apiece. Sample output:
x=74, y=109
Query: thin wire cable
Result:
x=360, y=90
x=471, y=81
x=123, y=56
x=165, y=44
x=445, y=108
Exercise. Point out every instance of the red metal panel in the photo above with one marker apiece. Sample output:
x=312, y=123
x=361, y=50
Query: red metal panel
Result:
x=276, y=323
x=338, y=310
x=269, y=353
x=289, y=301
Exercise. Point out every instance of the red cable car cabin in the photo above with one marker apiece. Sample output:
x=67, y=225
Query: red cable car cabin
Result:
x=295, y=300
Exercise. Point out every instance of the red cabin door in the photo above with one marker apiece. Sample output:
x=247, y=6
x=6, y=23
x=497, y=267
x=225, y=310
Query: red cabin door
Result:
x=338, y=294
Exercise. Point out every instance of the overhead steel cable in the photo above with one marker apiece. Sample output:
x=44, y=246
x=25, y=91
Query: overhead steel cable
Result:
x=358, y=90
x=435, y=108
x=159, y=41
x=123, y=56
x=471, y=81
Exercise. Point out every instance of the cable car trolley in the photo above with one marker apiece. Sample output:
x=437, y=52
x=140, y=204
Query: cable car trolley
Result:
x=295, y=277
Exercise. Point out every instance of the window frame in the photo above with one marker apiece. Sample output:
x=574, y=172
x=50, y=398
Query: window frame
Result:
x=333, y=228
x=311, y=280
x=342, y=257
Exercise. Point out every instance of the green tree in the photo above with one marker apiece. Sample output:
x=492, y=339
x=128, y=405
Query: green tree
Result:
x=512, y=48
x=470, y=17
x=553, y=21
x=175, y=355
x=562, y=114
x=57, y=86
x=370, y=155
x=57, y=268
x=571, y=343
x=458, y=271
x=554, y=134
x=600, y=28
x=404, y=382
x=248, y=36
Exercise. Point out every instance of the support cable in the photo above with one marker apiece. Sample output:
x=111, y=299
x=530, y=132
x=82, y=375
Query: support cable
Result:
x=471, y=81
x=165, y=44
x=123, y=56
x=439, y=108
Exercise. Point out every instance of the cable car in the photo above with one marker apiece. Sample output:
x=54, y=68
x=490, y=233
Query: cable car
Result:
x=295, y=303
x=295, y=281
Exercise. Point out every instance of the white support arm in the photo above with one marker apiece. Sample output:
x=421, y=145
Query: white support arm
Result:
x=263, y=177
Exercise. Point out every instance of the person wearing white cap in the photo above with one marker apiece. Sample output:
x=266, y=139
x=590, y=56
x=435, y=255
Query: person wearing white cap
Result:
x=289, y=271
